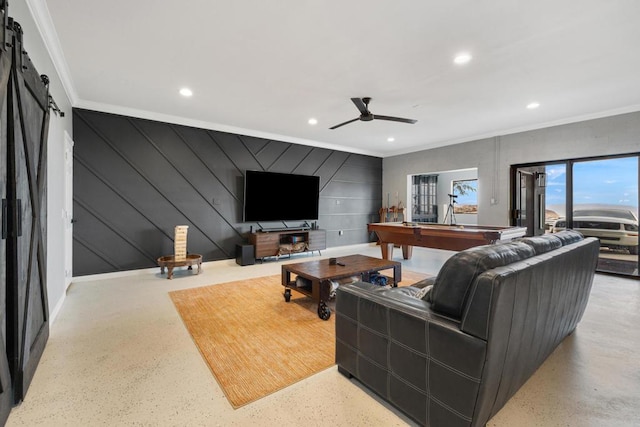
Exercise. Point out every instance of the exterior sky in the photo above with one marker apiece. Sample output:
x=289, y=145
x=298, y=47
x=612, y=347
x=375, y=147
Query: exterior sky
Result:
x=602, y=182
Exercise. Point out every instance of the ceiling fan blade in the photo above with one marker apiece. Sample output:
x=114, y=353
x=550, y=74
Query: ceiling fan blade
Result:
x=360, y=105
x=394, y=119
x=345, y=123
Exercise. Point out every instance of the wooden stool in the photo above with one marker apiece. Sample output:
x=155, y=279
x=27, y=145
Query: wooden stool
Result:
x=179, y=257
x=170, y=262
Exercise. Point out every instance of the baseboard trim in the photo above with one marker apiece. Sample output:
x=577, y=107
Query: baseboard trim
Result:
x=155, y=270
x=113, y=275
x=56, y=309
x=139, y=272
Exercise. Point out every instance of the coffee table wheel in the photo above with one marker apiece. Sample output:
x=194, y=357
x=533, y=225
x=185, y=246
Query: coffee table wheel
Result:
x=287, y=294
x=324, y=312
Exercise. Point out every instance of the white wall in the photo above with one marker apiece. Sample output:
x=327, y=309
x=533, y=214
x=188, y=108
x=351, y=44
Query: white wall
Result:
x=445, y=180
x=493, y=157
x=35, y=46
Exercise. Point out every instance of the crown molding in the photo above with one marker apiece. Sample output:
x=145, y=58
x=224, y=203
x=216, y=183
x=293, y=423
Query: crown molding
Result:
x=202, y=124
x=44, y=23
x=504, y=132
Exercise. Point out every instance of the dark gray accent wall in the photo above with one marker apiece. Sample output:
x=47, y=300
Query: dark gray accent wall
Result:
x=135, y=180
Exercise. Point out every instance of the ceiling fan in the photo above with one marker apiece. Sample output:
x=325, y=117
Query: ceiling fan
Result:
x=362, y=104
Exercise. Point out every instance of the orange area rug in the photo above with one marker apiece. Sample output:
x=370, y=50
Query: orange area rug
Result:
x=254, y=342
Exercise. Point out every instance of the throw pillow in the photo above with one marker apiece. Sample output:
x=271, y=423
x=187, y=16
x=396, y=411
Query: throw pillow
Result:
x=424, y=293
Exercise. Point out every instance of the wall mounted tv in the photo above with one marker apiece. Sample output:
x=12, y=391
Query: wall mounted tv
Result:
x=272, y=196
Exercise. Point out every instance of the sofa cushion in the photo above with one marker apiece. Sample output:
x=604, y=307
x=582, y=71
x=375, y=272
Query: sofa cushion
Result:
x=451, y=288
x=569, y=236
x=542, y=244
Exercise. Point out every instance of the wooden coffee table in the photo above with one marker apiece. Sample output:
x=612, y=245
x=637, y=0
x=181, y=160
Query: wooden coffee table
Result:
x=320, y=273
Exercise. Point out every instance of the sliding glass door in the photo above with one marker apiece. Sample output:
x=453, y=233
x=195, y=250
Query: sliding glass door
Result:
x=555, y=195
x=605, y=205
x=598, y=197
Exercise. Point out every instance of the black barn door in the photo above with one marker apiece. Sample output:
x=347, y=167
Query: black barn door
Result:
x=27, y=309
x=6, y=396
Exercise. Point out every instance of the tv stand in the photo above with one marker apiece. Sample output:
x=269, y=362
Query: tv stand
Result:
x=270, y=243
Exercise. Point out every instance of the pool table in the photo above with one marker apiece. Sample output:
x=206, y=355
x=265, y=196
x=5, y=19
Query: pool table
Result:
x=439, y=236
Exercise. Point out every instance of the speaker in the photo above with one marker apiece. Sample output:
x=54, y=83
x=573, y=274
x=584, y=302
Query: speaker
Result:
x=245, y=255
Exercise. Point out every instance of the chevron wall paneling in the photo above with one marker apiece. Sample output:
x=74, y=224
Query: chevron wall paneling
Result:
x=135, y=180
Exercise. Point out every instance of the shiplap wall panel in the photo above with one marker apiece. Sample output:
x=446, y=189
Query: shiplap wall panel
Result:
x=220, y=167
x=121, y=253
x=101, y=201
x=135, y=180
x=92, y=258
x=291, y=158
x=330, y=167
x=364, y=161
x=348, y=189
x=352, y=173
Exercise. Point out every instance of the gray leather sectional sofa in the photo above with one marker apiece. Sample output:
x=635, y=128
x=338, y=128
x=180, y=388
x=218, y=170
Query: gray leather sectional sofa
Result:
x=455, y=356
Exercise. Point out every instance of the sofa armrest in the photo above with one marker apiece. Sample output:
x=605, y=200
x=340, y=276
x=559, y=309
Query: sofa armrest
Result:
x=415, y=358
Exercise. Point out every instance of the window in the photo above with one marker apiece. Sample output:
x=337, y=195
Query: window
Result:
x=466, y=201
x=423, y=194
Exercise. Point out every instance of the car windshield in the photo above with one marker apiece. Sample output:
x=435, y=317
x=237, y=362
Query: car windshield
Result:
x=614, y=213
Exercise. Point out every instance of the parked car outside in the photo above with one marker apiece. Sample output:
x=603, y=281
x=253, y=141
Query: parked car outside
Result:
x=550, y=218
x=615, y=228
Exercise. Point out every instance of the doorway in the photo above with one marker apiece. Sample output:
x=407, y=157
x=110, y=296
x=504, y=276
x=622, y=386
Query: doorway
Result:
x=430, y=196
x=530, y=198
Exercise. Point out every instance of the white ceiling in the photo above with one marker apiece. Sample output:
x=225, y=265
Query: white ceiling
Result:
x=264, y=68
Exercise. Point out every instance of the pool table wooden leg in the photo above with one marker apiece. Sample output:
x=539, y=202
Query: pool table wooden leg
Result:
x=407, y=251
x=387, y=250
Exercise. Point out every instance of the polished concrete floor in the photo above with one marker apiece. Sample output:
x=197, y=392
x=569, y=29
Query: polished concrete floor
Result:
x=119, y=355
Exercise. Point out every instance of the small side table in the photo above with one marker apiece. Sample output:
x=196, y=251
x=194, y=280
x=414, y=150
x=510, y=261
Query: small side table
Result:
x=170, y=262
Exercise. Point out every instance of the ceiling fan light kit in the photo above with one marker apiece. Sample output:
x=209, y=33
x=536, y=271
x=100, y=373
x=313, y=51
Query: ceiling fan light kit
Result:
x=362, y=104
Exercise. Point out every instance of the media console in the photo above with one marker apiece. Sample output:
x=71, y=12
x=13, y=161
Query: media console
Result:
x=281, y=242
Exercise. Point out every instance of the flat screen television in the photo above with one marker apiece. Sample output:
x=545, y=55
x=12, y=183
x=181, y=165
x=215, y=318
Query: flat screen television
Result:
x=273, y=196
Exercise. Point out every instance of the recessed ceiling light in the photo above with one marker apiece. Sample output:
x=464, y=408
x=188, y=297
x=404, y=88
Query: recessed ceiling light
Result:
x=391, y=139
x=533, y=105
x=186, y=92
x=313, y=121
x=462, y=58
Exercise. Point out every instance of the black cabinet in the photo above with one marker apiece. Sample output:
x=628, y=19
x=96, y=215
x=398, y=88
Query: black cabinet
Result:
x=24, y=117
